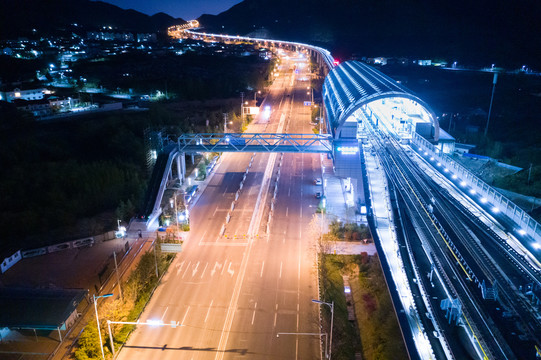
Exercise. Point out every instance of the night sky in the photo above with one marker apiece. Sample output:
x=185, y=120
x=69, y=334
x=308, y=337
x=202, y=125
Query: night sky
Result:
x=186, y=9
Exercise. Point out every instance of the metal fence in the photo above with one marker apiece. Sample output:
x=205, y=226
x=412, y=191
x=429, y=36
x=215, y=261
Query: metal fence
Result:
x=506, y=206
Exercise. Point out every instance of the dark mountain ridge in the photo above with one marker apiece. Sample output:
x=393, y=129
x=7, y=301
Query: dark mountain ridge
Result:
x=479, y=32
x=19, y=17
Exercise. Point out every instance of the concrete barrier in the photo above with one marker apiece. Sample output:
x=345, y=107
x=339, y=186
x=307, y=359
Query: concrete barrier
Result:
x=222, y=230
x=10, y=261
x=33, y=252
x=59, y=247
x=83, y=242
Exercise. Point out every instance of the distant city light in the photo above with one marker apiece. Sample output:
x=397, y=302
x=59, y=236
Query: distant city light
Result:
x=463, y=183
x=522, y=232
x=495, y=209
x=484, y=200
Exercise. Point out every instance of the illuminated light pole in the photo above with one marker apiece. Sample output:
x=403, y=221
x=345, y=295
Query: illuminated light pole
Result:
x=242, y=107
x=331, y=305
x=494, y=80
x=98, y=320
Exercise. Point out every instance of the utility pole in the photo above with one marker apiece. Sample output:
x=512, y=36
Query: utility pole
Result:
x=118, y=277
x=225, y=122
x=494, y=80
x=242, y=107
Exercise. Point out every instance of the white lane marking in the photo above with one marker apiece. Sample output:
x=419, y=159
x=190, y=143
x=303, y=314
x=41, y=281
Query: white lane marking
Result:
x=186, y=314
x=185, y=271
x=208, y=311
x=289, y=192
x=299, y=270
x=194, y=271
x=287, y=211
x=275, y=314
x=203, y=237
x=223, y=269
x=253, y=316
x=229, y=270
x=297, y=316
x=262, y=267
x=281, y=269
x=216, y=265
x=179, y=268
x=203, y=273
x=167, y=308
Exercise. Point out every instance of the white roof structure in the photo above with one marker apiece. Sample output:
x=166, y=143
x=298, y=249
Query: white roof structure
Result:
x=352, y=84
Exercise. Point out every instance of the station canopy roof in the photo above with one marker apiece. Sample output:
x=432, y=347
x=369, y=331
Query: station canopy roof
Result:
x=352, y=84
x=37, y=308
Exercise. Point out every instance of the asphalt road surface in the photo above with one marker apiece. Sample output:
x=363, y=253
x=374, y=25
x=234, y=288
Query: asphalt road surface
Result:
x=233, y=293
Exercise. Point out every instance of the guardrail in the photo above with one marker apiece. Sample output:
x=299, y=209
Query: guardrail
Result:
x=255, y=142
x=526, y=223
x=324, y=53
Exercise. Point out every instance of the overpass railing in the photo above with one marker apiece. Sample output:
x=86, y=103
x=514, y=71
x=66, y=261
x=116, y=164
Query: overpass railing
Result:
x=324, y=53
x=503, y=204
x=255, y=142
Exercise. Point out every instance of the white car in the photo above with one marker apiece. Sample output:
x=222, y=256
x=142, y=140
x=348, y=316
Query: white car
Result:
x=318, y=181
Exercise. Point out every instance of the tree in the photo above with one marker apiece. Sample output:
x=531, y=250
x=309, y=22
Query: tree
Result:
x=89, y=346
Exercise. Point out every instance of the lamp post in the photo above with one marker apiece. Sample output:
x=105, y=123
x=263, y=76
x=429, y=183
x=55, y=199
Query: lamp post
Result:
x=98, y=320
x=242, y=107
x=494, y=81
x=331, y=305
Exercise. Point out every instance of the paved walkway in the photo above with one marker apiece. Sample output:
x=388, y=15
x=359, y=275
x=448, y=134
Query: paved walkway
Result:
x=351, y=248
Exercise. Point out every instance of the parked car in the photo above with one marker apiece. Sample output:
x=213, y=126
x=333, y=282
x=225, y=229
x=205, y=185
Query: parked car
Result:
x=318, y=181
x=318, y=195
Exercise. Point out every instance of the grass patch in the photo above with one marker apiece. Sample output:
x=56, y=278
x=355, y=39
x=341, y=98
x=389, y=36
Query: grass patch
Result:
x=345, y=337
x=376, y=333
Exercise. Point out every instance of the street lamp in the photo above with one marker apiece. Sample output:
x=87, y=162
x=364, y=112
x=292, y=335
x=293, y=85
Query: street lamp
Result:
x=98, y=320
x=331, y=305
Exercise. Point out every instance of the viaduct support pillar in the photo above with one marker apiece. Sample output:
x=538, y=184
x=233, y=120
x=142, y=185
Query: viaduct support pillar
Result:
x=183, y=166
x=180, y=175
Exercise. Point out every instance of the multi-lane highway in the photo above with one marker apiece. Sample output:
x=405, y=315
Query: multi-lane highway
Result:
x=233, y=292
